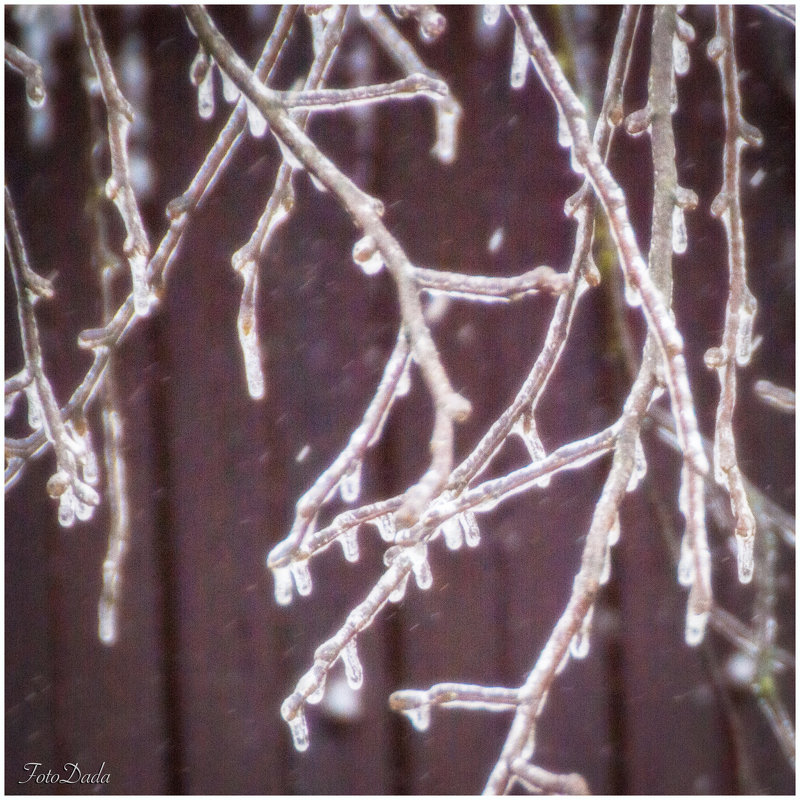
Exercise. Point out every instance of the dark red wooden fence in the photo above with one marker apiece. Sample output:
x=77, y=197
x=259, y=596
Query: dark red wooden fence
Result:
x=188, y=699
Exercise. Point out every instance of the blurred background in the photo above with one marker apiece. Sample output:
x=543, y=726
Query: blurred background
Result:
x=187, y=700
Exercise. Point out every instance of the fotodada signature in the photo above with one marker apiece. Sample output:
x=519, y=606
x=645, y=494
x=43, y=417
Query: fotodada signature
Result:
x=71, y=773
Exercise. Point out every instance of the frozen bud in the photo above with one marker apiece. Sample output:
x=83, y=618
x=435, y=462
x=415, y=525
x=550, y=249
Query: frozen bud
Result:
x=715, y=357
x=716, y=47
x=58, y=484
x=750, y=133
x=686, y=198
x=432, y=25
x=719, y=205
x=685, y=30
x=367, y=255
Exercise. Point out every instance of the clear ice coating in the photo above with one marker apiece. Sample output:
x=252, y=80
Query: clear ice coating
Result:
x=255, y=120
x=686, y=571
x=680, y=55
x=744, y=334
x=399, y=592
x=639, y=467
x=298, y=727
x=420, y=566
x=386, y=527
x=472, y=533
x=744, y=557
x=519, y=61
x=453, y=535
x=350, y=484
x=349, y=542
x=695, y=627
x=680, y=238
x=491, y=14
x=579, y=646
x=352, y=665
x=230, y=91
x=404, y=383
x=283, y=585
x=316, y=696
x=302, y=577
x=632, y=296
x=564, y=135
x=143, y=299
x=419, y=715
x=34, y=406
x=525, y=428
x=367, y=256
x=605, y=572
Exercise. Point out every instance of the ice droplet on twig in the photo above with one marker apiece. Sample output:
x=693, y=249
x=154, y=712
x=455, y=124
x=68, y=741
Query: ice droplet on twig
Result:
x=525, y=428
x=302, y=577
x=367, y=256
x=230, y=91
x=472, y=533
x=744, y=557
x=352, y=665
x=680, y=239
x=419, y=715
x=349, y=542
x=386, y=527
x=205, y=95
x=283, y=585
x=255, y=120
x=639, y=467
x=66, y=508
x=298, y=727
x=491, y=14
x=519, y=61
x=453, y=535
x=251, y=351
x=448, y=116
x=579, y=645
x=695, y=627
x=680, y=55
x=420, y=566
x=350, y=484
x=106, y=622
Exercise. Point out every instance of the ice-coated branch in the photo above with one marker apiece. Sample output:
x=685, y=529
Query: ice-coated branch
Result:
x=119, y=187
x=449, y=406
x=778, y=397
x=541, y=781
x=31, y=70
x=417, y=704
x=76, y=463
x=448, y=109
x=737, y=338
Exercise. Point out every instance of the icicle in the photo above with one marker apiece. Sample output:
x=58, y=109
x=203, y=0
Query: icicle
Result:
x=352, y=665
x=695, y=627
x=251, y=350
x=106, y=622
x=386, y=527
x=744, y=334
x=302, y=577
x=255, y=120
x=66, y=508
x=230, y=91
x=519, y=61
x=283, y=585
x=399, y=592
x=420, y=565
x=744, y=557
x=686, y=571
x=298, y=727
x=448, y=115
x=205, y=94
x=83, y=511
x=491, y=14
x=367, y=256
x=639, y=467
x=680, y=55
x=34, y=406
x=350, y=484
x=349, y=542
x=680, y=239
x=453, y=535
x=579, y=646
x=472, y=533
x=564, y=135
